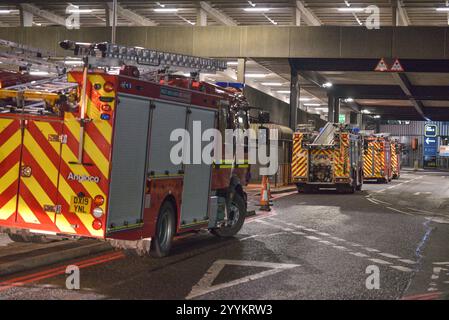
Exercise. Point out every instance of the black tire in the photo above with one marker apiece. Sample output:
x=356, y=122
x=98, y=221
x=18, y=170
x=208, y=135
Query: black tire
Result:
x=238, y=208
x=300, y=187
x=165, y=231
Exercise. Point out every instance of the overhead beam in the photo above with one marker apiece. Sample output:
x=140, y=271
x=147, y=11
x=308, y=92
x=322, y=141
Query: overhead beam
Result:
x=353, y=64
x=26, y=18
x=133, y=17
x=201, y=17
x=390, y=92
x=403, y=17
x=47, y=15
x=217, y=14
x=307, y=15
x=407, y=88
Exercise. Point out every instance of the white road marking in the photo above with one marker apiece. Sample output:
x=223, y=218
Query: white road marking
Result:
x=407, y=261
x=327, y=242
x=400, y=211
x=205, y=286
x=401, y=268
x=371, y=249
x=372, y=200
x=312, y=238
x=358, y=254
x=388, y=255
x=340, y=248
x=418, y=193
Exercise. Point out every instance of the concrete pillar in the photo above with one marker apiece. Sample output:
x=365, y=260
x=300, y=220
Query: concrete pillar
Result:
x=330, y=108
x=26, y=18
x=353, y=118
x=241, y=69
x=294, y=99
x=297, y=17
x=108, y=15
x=201, y=17
x=336, y=110
x=394, y=14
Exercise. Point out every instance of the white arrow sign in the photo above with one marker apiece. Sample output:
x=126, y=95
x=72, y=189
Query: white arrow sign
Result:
x=428, y=140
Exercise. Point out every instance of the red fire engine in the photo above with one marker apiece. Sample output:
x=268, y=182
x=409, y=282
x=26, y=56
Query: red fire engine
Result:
x=94, y=160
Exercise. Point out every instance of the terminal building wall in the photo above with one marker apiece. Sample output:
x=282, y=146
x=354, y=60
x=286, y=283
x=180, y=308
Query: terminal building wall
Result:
x=407, y=131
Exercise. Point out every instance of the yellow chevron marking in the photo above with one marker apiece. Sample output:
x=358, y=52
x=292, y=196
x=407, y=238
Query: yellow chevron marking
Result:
x=10, y=145
x=26, y=213
x=8, y=209
x=4, y=123
x=89, y=147
x=9, y=178
x=92, y=187
x=63, y=224
x=41, y=158
x=39, y=194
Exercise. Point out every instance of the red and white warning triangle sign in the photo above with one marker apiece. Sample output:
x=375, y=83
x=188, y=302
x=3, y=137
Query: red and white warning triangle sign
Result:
x=397, y=67
x=381, y=66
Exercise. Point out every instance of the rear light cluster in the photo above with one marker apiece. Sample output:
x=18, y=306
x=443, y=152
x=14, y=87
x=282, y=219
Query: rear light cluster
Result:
x=106, y=108
x=98, y=212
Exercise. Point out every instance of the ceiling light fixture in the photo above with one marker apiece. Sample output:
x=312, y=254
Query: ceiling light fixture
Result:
x=38, y=73
x=255, y=75
x=284, y=91
x=327, y=85
x=254, y=9
x=446, y=9
x=5, y=11
x=272, y=84
x=349, y=9
x=165, y=10
x=312, y=104
x=305, y=99
x=76, y=10
x=232, y=63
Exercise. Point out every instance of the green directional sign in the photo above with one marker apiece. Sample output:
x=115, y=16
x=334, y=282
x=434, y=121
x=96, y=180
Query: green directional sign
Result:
x=342, y=118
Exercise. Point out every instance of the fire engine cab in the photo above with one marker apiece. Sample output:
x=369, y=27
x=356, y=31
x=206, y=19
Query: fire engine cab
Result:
x=90, y=157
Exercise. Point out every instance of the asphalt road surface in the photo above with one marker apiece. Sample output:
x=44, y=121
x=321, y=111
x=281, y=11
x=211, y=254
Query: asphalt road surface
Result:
x=390, y=241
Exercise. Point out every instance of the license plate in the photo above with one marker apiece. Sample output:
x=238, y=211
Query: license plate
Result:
x=80, y=205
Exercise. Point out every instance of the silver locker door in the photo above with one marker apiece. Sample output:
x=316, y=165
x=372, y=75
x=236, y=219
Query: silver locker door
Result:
x=166, y=117
x=195, y=196
x=128, y=176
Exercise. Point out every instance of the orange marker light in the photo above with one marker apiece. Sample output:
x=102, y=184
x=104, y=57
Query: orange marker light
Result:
x=98, y=200
x=108, y=86
x=106, y=107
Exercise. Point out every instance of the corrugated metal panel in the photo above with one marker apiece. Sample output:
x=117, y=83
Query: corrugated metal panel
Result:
x=415, y=128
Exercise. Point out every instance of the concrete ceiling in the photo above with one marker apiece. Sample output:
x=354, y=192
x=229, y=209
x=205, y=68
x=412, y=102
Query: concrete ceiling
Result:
x=281, y=12
x=397, y=106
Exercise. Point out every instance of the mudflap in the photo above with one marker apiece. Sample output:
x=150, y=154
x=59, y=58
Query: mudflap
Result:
x=140, y=247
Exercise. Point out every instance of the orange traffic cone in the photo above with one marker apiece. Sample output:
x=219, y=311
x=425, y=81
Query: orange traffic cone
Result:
x=264, y=197
x=269, y=189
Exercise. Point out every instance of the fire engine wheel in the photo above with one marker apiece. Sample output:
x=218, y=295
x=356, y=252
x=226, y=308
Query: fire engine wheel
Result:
x=236, y=219
x=165, y=231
